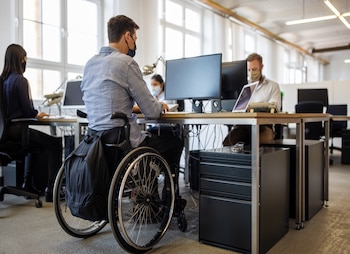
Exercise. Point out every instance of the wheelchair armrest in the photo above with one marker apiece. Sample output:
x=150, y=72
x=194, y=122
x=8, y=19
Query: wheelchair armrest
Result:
x=116, y=115
x=120, y=115
x=81, y=114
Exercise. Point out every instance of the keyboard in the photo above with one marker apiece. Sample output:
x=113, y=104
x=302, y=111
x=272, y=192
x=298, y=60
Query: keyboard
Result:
x=173, y=107
x=59, y=117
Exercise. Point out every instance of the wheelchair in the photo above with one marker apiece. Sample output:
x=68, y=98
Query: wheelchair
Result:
x=143, y=198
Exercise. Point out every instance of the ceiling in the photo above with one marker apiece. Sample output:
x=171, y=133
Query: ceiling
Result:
x=329, y=36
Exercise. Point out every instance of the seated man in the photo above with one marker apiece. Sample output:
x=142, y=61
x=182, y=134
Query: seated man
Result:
x=113, y=82
x=266, y=91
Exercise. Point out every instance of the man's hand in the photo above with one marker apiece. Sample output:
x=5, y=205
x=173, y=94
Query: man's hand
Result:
x=165, y=107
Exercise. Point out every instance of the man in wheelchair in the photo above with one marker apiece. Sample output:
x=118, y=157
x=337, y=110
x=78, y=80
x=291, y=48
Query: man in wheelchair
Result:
x=113, y=82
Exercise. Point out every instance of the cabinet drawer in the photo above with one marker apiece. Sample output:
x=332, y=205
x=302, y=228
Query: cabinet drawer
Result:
x=225, y=222
x=224, y=188
x=226, y=172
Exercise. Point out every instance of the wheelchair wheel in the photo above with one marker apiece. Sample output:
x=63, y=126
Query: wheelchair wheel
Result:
x=141, y=200
x=74, y=226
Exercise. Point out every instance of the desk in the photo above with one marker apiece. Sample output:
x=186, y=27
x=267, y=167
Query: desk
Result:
x=256, y=119
x=54, y=122
x=339, y=118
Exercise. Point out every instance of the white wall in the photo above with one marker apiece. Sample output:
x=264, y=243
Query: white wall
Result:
x=8, y=26
x=337, y=69
x=338, y=92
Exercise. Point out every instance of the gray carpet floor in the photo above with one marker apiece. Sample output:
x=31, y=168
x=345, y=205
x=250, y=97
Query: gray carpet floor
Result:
x=26, y=229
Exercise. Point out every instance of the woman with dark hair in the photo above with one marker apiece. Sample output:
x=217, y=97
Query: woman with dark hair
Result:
x=157, y=87
x=157, y=90
x=19, y=104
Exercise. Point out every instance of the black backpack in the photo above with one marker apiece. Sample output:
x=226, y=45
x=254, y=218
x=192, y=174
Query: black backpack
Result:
x=88, y=180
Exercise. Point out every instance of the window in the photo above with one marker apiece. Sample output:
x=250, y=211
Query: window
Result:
x=41, y=29
x=82, y=36
x=295, y=67
x=59, y=39
x=249, y=44
x=181, y=24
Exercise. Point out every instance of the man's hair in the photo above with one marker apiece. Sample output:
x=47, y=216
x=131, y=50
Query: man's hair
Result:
x=119, y=25
x=255, y=56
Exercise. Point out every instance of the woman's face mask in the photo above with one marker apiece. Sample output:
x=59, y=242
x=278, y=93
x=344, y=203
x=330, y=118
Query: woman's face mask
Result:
x=156, y=90
x=24, y=64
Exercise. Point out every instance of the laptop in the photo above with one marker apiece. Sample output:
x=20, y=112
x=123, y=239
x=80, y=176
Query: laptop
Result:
x=73, y=96
x=244, y=97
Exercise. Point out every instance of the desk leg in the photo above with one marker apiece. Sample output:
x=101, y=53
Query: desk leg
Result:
x=255, y=189
x=77, y=134
x=300, y=180
x=326, y=164
x=53, y=130
x=187, y=152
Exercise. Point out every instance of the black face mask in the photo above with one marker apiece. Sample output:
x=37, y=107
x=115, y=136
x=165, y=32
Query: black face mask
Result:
x=131, y=52
x=24, y=64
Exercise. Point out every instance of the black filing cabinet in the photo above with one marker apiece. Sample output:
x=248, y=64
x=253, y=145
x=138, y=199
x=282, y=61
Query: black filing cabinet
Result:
x=225, y=198
x=314, y=175
x=345, y=147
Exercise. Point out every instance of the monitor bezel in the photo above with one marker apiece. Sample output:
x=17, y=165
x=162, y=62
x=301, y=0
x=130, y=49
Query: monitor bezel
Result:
x=192, y=96
x=229, y=90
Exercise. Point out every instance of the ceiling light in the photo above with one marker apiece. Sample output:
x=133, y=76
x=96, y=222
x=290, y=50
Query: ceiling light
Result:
x=309, y=20
x=347, y=61
x=337, y=13
x=344, y=21
x=316, y=19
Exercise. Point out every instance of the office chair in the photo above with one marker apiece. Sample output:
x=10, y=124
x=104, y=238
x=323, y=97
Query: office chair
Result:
x=337, y=127
x=312, y=130
x=13, y=151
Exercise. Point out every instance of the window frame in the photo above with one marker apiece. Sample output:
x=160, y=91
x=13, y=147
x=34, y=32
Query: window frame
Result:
x=66, y=70
x=180, y=28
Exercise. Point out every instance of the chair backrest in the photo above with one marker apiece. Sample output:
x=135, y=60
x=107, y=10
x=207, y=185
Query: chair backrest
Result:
x=338, y=109
x=309, y=107
x=312, y=130
x=2, y=113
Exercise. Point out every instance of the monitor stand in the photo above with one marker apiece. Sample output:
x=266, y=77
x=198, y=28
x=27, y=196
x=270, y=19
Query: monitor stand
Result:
x=197, y=106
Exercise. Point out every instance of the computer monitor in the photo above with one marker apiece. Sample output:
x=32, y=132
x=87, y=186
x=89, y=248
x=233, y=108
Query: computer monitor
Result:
x=197, y=78
x=73, y=96
x=314, y=94
x=233, y=78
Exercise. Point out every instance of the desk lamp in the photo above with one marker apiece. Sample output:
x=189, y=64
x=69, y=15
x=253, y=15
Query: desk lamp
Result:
x=149, y=69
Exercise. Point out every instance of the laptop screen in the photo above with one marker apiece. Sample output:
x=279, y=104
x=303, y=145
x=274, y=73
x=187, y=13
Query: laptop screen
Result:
x=73, y=96
x=244, y=97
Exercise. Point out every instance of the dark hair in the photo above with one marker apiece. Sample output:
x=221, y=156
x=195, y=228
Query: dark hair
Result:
x=119, y=25
x=158, y=78
x=13, y=60
x=255, y=56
